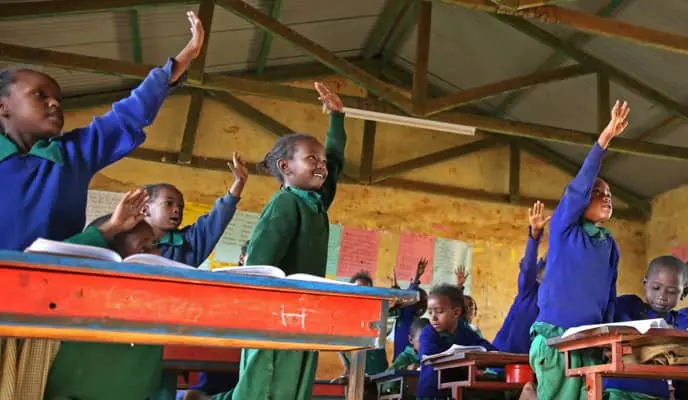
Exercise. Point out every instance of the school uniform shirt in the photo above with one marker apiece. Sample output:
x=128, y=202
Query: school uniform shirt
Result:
x=582, y=260
x=405, y=358
x=632, y=308
x=402, y=325
x=44, y=191
x=103, y=371
x=193, y=244
x=292, y=233
x=433, y=342
x=514, y=335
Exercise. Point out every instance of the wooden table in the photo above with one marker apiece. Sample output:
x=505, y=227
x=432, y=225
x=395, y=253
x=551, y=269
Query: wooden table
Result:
x=471, y=364
x=620, y=341
x=406, y=381
x=87, y=300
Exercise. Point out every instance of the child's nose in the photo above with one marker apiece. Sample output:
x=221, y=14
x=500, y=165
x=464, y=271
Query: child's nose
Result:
x=52, y=102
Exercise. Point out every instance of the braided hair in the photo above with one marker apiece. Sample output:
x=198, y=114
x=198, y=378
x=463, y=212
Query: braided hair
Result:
x=283, y=149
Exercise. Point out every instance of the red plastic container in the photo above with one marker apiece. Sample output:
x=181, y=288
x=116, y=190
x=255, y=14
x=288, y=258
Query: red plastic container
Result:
x=519, y=373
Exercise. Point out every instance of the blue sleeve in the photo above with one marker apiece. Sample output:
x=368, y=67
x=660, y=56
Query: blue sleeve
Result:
x=609, y=313
x=682, y=319
x=407, y=313
x=626, y=308
x=470, y=338
x=114, y=135
x=527, y=277
x=204, y=234
x=430, y=343
x=576, y=197
x=335, y=142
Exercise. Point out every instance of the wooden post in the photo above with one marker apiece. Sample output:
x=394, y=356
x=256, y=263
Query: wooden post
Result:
x=420, y=70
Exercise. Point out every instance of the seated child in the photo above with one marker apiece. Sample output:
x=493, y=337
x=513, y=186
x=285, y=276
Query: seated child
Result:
x=408, y=359
x=579, y=287
x=665, y=284
x=471, y=308
x=447, y=327
x=406, y=315
x=514, y=336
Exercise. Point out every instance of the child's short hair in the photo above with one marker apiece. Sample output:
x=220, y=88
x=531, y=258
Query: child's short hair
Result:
x=669, y=262
x=452, y=292
x=153, y=189
x=418, y=325
x=362, y=276
x=283, y=149
x=9, y=75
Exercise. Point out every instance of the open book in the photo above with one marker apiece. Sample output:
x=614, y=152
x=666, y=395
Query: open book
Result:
x=274, y=272
x=51, y=247
x=642, y=326
x=455, y=349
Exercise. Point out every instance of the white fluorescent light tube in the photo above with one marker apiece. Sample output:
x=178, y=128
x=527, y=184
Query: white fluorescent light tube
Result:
x=409, y=121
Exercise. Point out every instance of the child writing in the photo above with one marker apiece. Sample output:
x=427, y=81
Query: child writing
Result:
x=514, y=335
x=45, y=172
x=582, y=264
x=447, y=327
x=192, y=244
x=406, y=315
x=292, y=233
x=665, y=284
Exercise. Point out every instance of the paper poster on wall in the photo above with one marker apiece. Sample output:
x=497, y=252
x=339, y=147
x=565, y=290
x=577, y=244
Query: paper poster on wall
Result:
x=358, y=251
x=680, y=252
x=101, y=203
x=412, y=248
x=333, y=250
x=237, y=233
x=449, y=254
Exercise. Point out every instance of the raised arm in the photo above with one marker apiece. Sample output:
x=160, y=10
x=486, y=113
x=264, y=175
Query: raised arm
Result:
x=274, y=231
x=527, y=276
x=335, y=142
x=577, y=194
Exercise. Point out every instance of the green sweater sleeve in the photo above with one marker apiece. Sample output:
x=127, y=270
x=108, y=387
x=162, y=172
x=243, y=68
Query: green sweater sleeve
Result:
x=403, y=360
x=91, y=236
x=276, y=227
x=335, y=143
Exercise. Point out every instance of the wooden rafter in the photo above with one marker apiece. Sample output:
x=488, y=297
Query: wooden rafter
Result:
x=51, y=8
x=525, y=4
x=588, y=23
x=663, y=127
x=346, y=69
x=514, y=172
x=402, y=28
x=384, y=25
x=458, y=99
x=420, y=70
x=266, y=46
x=306, y=70
x=368, y=151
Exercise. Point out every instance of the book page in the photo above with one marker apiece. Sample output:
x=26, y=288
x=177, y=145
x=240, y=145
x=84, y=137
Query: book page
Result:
x=254, y=270
x=152, y=259
x=315, y=278
x=455, y=349
x=45, y=246
x=642, y=326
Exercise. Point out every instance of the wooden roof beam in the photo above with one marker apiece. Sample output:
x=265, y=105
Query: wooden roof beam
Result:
x=525, y=4
x=52, y=8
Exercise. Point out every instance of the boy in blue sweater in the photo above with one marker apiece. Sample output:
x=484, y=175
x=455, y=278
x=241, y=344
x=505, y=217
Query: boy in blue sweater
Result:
x=45, y=172
x=406, y=315
x=514, y=336
x=579, y=286
x=447, y=327
x=665, y=284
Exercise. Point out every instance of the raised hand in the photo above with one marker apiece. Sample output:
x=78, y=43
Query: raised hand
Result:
x=240, y=171
x=192, y=49
x=420, y=270
x=617, y=123
x=127, y=214
x=330, y=100
x=537, y=218
x=461, y=276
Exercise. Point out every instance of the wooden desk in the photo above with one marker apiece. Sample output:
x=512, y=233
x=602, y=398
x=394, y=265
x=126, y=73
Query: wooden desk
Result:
x=77, y=299
x=471, y=364
x=198, y=358
x=406, y=381
x=620, y=341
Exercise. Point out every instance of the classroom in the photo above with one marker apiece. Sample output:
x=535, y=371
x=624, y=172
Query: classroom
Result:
x=527, y=87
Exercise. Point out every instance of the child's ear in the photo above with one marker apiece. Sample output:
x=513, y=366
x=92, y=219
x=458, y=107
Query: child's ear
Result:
x=146, y=210
x=684, y=293
x=283, y=166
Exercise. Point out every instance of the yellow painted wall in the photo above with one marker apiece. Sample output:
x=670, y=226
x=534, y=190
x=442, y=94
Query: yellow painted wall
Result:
x=497, y=232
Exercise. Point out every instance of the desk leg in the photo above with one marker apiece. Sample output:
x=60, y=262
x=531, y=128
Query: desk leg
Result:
x=593, y=386
x=457, y=393
x=354, y=390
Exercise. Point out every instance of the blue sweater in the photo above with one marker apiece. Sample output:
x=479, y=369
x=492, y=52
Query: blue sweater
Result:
x=402, y=328
x=582, y=260
x=631, y=308
x=193, y=244
x=433, y=342
x=44, y=193
x=514, y=336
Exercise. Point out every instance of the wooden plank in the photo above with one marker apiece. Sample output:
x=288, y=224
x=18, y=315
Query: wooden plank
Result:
x=266, y=46
x=596, y=64
x=454, y=100
x=368, y=151
x=525, y=4
x=420, y=69
x=356, y=74
x=383, y=27
x=51, y=8
x=514, y=172
x=402, y=30
x=136, y=49
x=435, y=158
x=193, y=115
x=589, y=23
x=663, y=127
x=604, y=102
x=305, y=70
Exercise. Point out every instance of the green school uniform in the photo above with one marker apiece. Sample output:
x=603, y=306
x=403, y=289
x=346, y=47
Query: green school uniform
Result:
x=103, y=371
x=405, y=358
x=615, y=394
x=291, y=233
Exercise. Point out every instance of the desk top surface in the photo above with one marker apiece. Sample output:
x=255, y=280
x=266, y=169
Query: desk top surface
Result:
x=622, y=334
x=491, y=357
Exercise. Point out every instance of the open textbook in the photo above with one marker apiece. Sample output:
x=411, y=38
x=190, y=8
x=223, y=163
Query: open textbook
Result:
x=274, y=272
x=455, y=349
x=642, y=326
x=51, y=247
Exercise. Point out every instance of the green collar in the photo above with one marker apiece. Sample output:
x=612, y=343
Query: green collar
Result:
x=596, y=232
x=410, y=351
x=313, y=199
x=43, y=148
x=172, y=238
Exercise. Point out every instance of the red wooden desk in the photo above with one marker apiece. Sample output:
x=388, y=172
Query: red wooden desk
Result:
x=77, y=299
x=620, y=341
x=472, y=363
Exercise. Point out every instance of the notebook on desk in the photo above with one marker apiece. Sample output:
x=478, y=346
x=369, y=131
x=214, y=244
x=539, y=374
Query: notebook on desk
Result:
x=275, y=272
x=642, y=326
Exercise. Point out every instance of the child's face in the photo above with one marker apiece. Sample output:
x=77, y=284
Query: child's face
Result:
x=166, y=210
x=32, y=105
x=663, y=289
x=307, y=169
x=600, y=207
x=362, y=282
x=136, y=241
x=443, y=317
x=414, y=340
x=540, y=275
x=422, y=306
x=471, y=308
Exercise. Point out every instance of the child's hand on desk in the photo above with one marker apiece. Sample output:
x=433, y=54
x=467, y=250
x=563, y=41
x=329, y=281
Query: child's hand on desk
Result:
x=127, y=214
x=537, y=218
x=413, y=367
x=240, y=171
x=617, y=124
x=331, y=101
